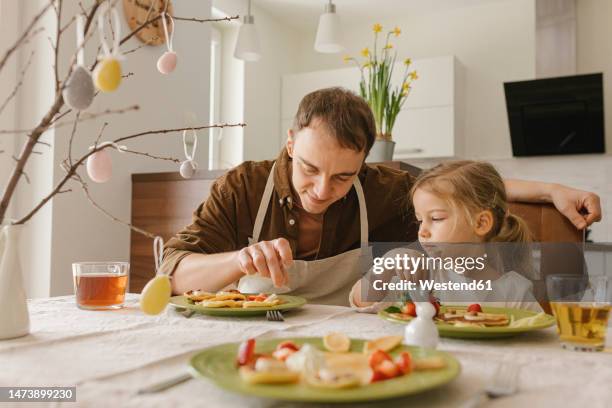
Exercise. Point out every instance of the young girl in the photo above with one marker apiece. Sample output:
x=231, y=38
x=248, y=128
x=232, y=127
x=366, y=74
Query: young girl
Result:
x=463, y=213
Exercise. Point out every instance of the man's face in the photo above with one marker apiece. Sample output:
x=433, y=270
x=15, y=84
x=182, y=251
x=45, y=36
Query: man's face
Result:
x=323, y=171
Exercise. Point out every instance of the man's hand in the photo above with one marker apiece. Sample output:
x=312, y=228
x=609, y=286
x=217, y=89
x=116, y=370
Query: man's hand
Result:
x=268, y=259
x=582, y=208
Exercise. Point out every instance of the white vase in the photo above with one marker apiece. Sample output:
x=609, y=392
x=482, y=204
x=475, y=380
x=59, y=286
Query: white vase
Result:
x=14, y=317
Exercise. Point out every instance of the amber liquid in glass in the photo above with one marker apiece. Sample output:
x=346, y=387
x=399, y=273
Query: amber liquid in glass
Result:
x=581, y=326
x=99, y=291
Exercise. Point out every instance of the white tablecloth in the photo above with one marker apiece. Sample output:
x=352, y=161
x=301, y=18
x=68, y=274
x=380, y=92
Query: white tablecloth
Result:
x=108, y=355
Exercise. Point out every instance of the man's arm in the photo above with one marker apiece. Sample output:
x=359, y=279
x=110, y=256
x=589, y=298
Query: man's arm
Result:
x=582, y=208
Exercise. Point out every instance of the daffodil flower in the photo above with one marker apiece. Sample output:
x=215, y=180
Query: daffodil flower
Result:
x=346, y=58
x=407, y=61
x=397, y=31
x=388, y=47
x=377, y=28
x=414, y=75
x=365, y=52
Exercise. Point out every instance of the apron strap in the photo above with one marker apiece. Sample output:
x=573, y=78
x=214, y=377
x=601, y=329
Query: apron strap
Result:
x=263, y=205
x=363, y=212
x=267, y=196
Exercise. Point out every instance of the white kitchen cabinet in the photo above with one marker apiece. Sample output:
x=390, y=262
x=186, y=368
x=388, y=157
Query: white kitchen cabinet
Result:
x=427, y=125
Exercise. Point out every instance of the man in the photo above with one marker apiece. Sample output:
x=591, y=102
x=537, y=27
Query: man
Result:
x=305, y=219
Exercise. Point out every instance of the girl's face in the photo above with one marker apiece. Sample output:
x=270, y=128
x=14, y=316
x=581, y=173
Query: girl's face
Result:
x=441, y=223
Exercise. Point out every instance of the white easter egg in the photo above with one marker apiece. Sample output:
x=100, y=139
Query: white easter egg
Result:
x=167, y=62
x=188, y=168
x=79, y=91
x=100, y=166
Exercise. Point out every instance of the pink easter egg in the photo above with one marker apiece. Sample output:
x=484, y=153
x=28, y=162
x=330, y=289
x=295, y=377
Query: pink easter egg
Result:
x=167, y=62
x=99, y=166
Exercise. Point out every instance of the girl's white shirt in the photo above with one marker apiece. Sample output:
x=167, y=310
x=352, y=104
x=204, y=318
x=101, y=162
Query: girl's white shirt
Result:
x=511, y=290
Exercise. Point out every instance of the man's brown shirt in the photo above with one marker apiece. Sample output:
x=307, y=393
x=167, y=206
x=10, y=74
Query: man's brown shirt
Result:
x=224, y=222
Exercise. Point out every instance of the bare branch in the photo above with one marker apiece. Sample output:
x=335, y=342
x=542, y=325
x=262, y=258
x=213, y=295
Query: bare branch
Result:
x=58, y=35
x=71, y=170
x=100, y=134
x=175, y=160
x=84, y=117
x=19, y=83
x=108, y=214
x=24, y=37
x=74, y=128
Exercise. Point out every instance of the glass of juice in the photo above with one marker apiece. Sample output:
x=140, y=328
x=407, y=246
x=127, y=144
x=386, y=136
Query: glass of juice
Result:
x=581, y=305
x=100, y=285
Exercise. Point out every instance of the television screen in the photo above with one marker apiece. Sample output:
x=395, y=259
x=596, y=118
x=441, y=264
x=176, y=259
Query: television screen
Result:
x=556, y=115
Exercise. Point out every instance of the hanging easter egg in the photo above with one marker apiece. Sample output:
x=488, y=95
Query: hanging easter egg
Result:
x=100, y=166
x=167, y=62
x=156, y=293
x=79, y=91
x=107, y=75
x=188, y=168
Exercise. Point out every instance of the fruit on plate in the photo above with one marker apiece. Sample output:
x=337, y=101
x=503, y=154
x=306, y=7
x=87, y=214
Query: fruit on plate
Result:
x=384, y=368
x=156, y=295
x=404, y=362
x=475, y=307
x=275, y=376
x=386, y=343
x=337, y=342
x=284, y=350
x=326, y=378
x=246, y=351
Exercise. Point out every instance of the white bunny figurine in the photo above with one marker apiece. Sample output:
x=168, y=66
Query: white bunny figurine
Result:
x=422, y=330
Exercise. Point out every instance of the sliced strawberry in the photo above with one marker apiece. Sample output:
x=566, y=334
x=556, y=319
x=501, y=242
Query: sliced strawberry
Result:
x=378, y=357
x=377, y=376
x=388, y=368
x=287, y=344
x=409, y=309
x=404, y=362
x=474, y=308
x=283, y=354
x=245, y=352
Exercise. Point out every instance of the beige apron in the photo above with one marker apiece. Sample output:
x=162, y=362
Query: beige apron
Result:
x=324, y=281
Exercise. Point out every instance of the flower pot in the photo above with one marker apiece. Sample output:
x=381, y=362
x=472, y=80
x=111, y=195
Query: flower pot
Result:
x=14, y=317
x=381, y=151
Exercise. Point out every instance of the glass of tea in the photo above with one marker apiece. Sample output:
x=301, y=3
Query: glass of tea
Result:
x=581, y=305
x=100, y=285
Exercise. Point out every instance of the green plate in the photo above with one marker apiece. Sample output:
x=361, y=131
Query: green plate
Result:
x=289, y=302
x=448, y=330
x=218, y=365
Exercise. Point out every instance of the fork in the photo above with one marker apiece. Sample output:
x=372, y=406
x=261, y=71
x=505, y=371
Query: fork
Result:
x=274, y=316
x=503, y=385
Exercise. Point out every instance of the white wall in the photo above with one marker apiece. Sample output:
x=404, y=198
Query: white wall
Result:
x=493, y=42
x=262, y=84
x=594, y=49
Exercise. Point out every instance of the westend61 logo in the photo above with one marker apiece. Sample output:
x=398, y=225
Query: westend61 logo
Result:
x=414, y=263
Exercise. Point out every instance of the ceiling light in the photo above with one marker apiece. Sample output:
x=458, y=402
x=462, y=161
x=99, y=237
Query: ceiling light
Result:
x=247, y=45
x=329, y=32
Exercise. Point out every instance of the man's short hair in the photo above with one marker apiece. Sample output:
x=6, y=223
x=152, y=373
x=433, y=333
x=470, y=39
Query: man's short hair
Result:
x=346, y=115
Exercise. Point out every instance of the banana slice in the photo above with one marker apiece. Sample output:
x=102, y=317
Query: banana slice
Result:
x=328, y=379
x=386, y=343
x=337, y=342
x=268, y=377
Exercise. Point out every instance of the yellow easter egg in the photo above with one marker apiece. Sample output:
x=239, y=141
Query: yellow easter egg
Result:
x=155, y=295
x=107, y=76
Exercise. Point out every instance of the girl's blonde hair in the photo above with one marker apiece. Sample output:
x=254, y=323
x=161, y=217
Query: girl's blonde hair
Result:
x=471, y=187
